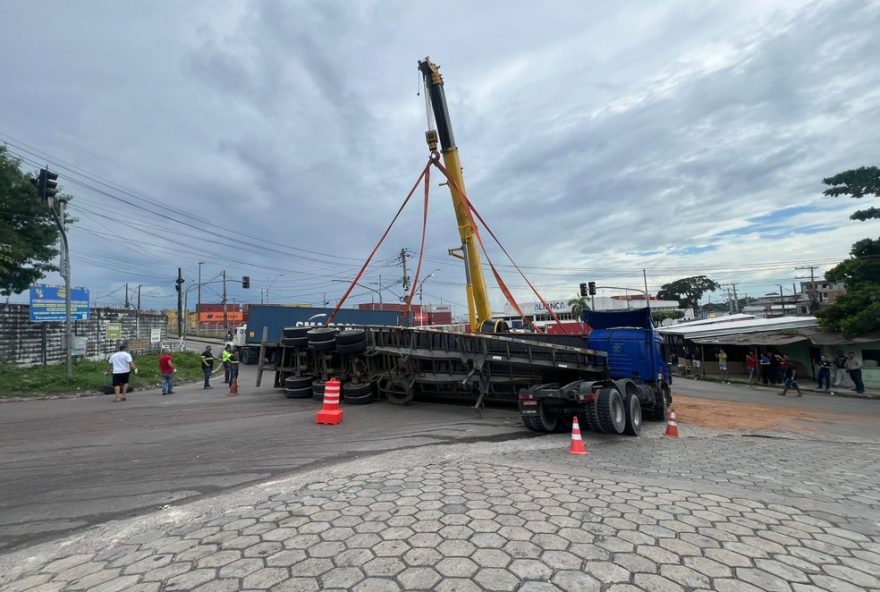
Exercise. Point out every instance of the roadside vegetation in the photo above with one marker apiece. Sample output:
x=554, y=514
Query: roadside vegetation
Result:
x=88, y=376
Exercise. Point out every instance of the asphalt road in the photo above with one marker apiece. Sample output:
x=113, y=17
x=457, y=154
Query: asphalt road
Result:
x=73, y=463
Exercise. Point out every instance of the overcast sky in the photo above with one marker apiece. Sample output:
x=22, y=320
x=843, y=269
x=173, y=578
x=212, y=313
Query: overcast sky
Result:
x=278, y=139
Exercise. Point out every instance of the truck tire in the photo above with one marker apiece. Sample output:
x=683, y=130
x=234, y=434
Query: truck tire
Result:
x=549, y=417
x=533, y=423
x=318, y=390
x=658, y=412
x=351, y=348
x=351, y=336
x=298, y=393
x=633, y=415
x=590, y=417
x=358, y=394
x=298, y=382
x=612, y=413
x=322, y=339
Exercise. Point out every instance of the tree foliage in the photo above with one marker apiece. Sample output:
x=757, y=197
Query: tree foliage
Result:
x=661, y=315
x=855, y=313
x=858, y=311
x=578, y=306
x=856, y=183
x=688, y=291
x=28, y=233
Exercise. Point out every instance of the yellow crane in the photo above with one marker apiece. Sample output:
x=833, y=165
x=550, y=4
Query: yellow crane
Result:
x=479, y=311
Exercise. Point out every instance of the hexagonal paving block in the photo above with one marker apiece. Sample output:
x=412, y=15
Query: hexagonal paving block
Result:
x=576, y=581
x=460, y=567
x=418, y=578
x=384, y=566
x=530, y=569
x=342, y=577
x=457, y=585
x=422, y=556
x=311, y=567
x=496, y=580
x=377, y=585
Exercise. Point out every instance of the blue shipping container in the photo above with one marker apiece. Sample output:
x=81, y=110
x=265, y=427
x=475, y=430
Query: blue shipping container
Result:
x=276, y=317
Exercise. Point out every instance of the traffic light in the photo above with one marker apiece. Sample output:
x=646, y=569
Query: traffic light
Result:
x=583, y=289
x=47, y=185
x=592, y=288
x=177, y=283
x=245, y=281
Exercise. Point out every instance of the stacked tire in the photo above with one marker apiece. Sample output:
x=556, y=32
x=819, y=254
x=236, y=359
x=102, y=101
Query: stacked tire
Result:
x=298, y=387
x=321, y=339
x=351, y=341
x=358, y=394
x=295, y=336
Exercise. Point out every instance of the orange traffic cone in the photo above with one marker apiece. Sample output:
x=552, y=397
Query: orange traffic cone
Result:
x=671, y=426
x=330, y=413
x=577, y=444
x=233, y=388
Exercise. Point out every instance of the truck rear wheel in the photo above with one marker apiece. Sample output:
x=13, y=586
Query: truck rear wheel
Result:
x=633, y=415
x=612, y=413
x=590, y=417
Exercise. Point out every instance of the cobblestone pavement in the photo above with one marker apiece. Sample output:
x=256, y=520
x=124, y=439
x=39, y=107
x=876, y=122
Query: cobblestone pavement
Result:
x=712, y=512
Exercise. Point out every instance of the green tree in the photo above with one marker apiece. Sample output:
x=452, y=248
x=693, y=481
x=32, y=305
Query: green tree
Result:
x=578, y=306
x=29, y=232
x=661, y=315
x=858, y=311
x=688, y=291
x=856, y=183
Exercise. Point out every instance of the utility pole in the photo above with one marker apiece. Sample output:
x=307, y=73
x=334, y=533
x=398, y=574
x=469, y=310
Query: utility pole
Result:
x=813, y=292
x=781, y=300
x=180, y=318
x=137, y=315
x=405, y=282
x=127, y=303
x=199, y=303
x=647, y=298
x=65, y=270
x=735, y=308
x=225, y=321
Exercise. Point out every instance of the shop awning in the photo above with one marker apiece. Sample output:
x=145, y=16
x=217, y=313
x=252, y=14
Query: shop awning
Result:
x=762, y=338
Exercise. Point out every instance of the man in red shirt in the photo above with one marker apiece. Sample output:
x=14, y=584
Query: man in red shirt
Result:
x=167, y=370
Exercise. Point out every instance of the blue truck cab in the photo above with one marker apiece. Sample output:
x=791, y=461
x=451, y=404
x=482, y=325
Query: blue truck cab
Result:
x=637, y=359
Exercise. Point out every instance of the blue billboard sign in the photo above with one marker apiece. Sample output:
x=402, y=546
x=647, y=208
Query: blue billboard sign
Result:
x=47, y=304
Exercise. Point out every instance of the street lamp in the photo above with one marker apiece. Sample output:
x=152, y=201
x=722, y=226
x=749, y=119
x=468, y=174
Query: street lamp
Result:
x=275, y=279
x=421, y=307
x=364, y=287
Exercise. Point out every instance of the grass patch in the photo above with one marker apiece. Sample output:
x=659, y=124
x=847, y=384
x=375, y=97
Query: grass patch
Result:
x=88, y=376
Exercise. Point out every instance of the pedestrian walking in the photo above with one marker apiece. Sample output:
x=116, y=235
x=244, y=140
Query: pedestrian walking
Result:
x=854, y=367
x=207, y=365
x=167, y=371
x=121, y=365
x=751, y=367
x=823, y=378
x=225, y=356
x=789, y=374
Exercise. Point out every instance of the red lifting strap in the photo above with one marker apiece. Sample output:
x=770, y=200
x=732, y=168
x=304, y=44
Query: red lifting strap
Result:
x=376, y=248
x=470, y=208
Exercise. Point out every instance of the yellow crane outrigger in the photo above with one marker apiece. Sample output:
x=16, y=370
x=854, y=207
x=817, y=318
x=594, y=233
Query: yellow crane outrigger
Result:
x=479, y=311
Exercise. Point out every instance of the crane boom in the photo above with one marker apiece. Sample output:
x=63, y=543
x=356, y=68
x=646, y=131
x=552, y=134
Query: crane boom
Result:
x=479, y=311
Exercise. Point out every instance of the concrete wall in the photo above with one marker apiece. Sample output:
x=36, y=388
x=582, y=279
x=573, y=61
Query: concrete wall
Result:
x=21, y=341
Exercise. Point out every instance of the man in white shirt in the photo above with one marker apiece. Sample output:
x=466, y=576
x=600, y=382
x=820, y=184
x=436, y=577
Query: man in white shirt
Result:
x=121, y=365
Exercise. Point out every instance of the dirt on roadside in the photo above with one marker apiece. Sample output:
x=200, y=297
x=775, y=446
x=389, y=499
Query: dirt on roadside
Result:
x=728, y=415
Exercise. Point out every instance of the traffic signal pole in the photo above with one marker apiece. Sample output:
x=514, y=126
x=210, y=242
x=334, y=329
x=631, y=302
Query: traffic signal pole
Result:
x=65, y=271
x=180, y=318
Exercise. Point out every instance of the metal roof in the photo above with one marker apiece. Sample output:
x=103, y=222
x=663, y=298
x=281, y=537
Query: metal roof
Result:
x=761, y=338
x=737, y=327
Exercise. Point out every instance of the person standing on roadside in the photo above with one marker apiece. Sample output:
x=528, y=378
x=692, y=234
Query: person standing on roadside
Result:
x=234, y=360
x=765, y=368
x=207, y=365
x=841, y=376
x=225, y=356
x=789, y=373
x=121, y=365
x=167, y=371
x=854, y=367
x=751, y=367
x=722, y=365
x=824, y=375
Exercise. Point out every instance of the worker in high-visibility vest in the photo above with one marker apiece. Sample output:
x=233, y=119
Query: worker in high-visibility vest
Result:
x=226, y=358
x=234, y=361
